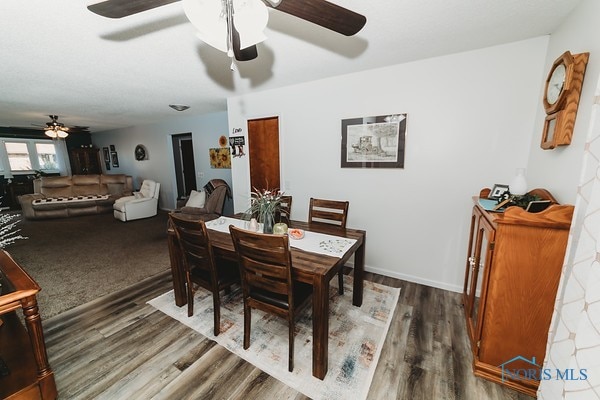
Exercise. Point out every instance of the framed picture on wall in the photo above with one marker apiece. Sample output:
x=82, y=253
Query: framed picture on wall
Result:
x=115, y=159
x=220, y=157
x=106, y=154
x=374, y=142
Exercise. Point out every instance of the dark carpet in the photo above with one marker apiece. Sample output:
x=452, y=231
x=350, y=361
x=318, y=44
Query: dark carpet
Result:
x=78, y=259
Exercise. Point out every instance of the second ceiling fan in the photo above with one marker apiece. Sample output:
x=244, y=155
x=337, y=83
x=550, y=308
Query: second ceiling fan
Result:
x=235, y=26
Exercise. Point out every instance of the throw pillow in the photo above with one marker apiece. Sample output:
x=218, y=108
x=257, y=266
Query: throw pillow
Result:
x=138, y=195
x=197, y=199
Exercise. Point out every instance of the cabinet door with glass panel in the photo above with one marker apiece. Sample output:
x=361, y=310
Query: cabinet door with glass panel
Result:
x=477, y=272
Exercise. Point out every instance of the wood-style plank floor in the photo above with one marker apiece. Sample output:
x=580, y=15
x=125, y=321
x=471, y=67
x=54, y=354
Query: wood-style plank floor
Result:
x=118, y=347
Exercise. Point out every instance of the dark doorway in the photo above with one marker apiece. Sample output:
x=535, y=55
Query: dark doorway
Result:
x=185, y=169
x=263, y=146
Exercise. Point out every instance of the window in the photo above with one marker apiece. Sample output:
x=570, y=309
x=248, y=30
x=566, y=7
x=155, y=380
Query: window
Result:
x=18, y=156
x=27, y=155
x=47, y=156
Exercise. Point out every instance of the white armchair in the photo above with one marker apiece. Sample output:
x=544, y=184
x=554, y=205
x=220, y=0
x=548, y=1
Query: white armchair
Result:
x=142, y=204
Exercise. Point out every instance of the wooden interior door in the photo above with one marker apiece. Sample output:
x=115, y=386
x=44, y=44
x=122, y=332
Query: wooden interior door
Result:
x=263, y=148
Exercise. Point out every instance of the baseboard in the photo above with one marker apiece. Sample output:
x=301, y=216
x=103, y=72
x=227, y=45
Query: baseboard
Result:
x=412, y=278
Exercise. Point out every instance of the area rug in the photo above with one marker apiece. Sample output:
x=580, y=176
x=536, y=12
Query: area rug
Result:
x=356, y=336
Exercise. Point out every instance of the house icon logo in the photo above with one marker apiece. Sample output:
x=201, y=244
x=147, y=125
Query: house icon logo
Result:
x=531, y=372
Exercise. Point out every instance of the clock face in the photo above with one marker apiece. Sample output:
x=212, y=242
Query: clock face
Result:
x=140, y=152
x=556, y=83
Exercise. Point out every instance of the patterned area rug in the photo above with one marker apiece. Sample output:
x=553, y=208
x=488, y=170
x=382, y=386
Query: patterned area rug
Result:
x=356, y=336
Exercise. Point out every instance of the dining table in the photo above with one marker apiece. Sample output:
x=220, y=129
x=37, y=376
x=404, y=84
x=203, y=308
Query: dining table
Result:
x=313, y=267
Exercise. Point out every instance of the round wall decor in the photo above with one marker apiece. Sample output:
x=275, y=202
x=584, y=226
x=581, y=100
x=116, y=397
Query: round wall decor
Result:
x=140, y=152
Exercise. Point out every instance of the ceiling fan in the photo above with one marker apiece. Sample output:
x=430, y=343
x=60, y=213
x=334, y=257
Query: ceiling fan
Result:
x=56, y=130
x=235, y=26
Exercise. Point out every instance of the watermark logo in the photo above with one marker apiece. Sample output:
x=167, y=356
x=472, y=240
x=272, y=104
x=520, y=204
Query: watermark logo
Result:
x=520, y=368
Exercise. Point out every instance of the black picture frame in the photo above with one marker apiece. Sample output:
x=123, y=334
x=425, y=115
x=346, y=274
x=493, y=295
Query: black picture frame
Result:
x=115, y=159
x=112, y=147
x=498, y=191
x=106, y=154
x=374, y=142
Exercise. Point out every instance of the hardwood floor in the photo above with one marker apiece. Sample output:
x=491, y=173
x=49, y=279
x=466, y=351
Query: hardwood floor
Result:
x=119, y=347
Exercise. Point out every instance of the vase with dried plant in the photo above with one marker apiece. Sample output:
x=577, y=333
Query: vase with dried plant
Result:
x=264, y=204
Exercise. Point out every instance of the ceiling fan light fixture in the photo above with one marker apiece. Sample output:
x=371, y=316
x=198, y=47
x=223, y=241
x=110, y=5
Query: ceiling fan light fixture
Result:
x=55, y=129
x=250, y=21
x=210, y=18
x=179, y=107
x=57, y=132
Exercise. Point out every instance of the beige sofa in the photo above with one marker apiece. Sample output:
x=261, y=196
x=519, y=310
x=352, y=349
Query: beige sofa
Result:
x=67, y=196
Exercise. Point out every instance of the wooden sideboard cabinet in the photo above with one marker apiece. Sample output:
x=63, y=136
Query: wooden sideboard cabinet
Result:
x=513, y=268
x=24, y=369
x=85, y=161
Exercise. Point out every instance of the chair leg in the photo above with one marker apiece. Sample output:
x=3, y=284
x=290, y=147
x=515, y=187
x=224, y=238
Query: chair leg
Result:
x=341, y=281
x=190, y=296
x=217, y=313
x=291, y=346
x=247, y=319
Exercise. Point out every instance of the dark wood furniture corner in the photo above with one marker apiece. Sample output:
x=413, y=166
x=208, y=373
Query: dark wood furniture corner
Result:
x=85, y=161
x=17, y=188
x=22, y=347
x=513, y=268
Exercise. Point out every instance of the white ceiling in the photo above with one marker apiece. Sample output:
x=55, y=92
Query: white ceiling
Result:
x=59, y=58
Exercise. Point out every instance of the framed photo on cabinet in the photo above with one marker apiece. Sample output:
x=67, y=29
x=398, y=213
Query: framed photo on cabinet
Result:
x=498, y=191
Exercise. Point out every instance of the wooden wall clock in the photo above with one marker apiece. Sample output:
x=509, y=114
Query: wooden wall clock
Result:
x=561, y=98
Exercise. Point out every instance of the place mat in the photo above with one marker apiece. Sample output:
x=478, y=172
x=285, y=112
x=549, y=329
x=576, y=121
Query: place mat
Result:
x=312, y=242
x=356, y=336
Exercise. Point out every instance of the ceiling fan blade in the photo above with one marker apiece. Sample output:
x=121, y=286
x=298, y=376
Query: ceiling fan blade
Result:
x=124, y=8
x=247, y=54
x=325, y=14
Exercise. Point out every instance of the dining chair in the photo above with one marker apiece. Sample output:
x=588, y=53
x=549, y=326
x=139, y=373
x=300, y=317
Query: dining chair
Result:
x=285, y=210
x=265, y=263
x=200, y=265
x=329, y=212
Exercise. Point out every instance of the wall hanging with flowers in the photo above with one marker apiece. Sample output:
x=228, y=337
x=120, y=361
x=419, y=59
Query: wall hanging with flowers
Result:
x=220, y=157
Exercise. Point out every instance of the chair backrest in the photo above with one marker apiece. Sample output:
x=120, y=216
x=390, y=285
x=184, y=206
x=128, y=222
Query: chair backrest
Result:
x=265, y=263
x=328, y=212
x=216, y=200
x=150, y=189
x=284, y=215
x=194, y=244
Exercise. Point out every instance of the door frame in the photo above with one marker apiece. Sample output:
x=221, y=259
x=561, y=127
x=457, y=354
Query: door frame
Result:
x=178, y=163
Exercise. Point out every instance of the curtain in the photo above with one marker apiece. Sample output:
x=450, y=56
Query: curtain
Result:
x=574, y=336
x=62, y=154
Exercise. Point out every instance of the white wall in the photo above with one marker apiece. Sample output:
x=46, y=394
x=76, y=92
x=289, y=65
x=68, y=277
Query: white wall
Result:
x=573, y=339
x=558, y=170
x=205, y=129
x=470, y=117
